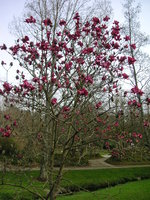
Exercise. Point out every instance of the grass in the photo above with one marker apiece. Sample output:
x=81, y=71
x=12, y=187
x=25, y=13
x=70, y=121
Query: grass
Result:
x=119, y=163
x=139, y=190
x=93, y=179
x=73, y=180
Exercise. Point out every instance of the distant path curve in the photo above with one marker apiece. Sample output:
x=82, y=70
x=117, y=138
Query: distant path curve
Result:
x=99, y=163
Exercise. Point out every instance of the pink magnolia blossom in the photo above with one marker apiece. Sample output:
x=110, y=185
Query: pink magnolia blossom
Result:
x=47, y=22
x=136, y=90
x=87, y=50
x=54, y=101
x=15, y=49
x=96, y=20
x=62, y=22
x=89, y=79
x=127, y=38
x=133, y=46
x=15, y=123
x=27, y=85
x=30, y=20
x=98, y=105
x=66, y=109
x=122, y=59
x=103, y=78
x=7, y=87
x=125, y=76
x=76, y=17
x=7, y=117
x=83, y=92
x=134, y=134
x=68, y=66
x=6, y=133
x=115, y=45
x=146, y=123
x=131, y=60
x=106, y=18
x=116, y=124
x=3, y=47
x=80, y=43
x=25, y=39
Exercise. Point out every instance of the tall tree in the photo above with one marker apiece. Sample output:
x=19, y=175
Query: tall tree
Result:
x=69, y=72
x=56, y=10
x=140, y=70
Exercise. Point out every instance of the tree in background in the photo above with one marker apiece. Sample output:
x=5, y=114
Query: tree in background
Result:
x=57, y=10
x=140, y=70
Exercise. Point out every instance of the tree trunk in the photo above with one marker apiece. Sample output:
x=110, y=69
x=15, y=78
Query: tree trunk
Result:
x=43, y=172
x=43, y=168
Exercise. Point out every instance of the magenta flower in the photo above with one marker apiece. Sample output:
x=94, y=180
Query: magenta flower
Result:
x=7, y=87
x=25, y=39
x=7, y=117
x=125, y=76
x=15, y=123
x=146, y=123
x=76, y=17
x=3, y=47
x=98, y=105
x=133, y=46
x=89, y=79
x=136, y=90
x=30, y=20
x=6, y=133
x=134, y=135
x=131, y=60
x=116, y=124
x=62, y=22
x=96, y=20
x=122, y=58
x=68, y=66
x=140, y=135
x=66, y=109
x=106, y=18
x=83, y=92
x=54, y=101
x=87, y=50
x=47, y=22
x=127, y=38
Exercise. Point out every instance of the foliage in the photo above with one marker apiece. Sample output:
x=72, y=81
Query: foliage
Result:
x=8, y=147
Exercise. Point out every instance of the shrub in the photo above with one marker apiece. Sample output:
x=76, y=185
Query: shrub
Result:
x=8, y=147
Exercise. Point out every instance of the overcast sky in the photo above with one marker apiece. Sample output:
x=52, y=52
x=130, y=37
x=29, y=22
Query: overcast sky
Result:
x=10, y=8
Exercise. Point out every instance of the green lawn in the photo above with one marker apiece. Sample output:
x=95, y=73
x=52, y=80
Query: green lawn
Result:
x=139, y=190
x=103, y=177
x=73, y=180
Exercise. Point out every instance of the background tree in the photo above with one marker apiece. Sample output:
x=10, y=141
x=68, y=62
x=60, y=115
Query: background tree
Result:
x=57, y=10
x=140, y=70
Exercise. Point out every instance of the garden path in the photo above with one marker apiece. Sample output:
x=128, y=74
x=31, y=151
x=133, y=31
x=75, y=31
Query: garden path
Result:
x=99, y=163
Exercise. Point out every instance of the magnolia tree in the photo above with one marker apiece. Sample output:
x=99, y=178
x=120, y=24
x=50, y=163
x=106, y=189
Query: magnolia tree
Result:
x=71, y=76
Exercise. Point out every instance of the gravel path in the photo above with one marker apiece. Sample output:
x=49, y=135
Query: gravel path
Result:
x=93, y=164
